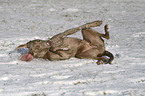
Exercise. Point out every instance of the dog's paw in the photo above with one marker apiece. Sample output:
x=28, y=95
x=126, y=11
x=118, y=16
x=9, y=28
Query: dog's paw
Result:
x=107, y=27
x=94, y=24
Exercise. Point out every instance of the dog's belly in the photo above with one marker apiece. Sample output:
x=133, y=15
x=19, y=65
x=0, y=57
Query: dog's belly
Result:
x=87, y=46
x=71, y=45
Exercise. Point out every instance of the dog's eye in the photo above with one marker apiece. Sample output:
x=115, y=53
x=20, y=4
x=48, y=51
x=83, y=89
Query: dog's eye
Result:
x=47, y=43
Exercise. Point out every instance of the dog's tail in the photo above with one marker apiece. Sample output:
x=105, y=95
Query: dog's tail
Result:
x=109, y=54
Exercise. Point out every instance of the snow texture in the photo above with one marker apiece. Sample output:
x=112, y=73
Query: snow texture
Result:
x=25, y=20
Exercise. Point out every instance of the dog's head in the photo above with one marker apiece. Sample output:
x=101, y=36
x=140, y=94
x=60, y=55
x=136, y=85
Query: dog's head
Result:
x=36, y=48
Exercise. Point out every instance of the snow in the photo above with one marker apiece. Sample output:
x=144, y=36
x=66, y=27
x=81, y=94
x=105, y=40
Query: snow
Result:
x=25, y=20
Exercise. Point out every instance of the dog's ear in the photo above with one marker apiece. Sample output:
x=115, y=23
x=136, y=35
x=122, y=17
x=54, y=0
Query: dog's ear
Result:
x=23, y=45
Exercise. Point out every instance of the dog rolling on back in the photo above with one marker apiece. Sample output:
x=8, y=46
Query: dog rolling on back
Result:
x=61, y=47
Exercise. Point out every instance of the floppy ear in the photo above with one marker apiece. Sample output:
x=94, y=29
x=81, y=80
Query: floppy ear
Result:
x=23, y=45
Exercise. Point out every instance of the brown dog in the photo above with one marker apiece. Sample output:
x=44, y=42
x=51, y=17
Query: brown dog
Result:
x=61, y=47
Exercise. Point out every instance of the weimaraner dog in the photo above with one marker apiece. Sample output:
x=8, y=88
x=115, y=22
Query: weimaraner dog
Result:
x=61, y=47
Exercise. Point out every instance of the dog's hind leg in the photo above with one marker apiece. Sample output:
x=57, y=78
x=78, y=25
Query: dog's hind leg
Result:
x=91, y=54
x=96, y=46
x=57, y=40
x=92, y=37
x=95, y=33
x=106, y=35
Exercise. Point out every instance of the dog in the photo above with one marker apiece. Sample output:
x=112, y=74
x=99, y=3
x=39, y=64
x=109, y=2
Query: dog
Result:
x=61, y=47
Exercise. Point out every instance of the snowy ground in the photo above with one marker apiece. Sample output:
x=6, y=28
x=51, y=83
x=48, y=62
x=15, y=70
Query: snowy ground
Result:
x=24, y=20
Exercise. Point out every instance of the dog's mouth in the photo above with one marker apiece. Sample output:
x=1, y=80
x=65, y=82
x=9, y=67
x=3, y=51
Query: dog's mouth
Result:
x=27, y=57
x=25, y=54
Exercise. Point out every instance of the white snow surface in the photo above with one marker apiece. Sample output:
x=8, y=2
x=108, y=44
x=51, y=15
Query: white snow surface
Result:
x=25, y=20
